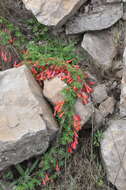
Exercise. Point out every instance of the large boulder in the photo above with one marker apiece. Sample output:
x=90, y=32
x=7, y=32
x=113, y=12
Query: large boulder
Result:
x=100, y=45
x=102, y=17
x=26, y=121
x=53, y=12
x=113, y=150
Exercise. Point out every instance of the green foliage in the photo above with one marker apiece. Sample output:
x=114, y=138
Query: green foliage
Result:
x=8, y=33
x=47, y=51
x=97, y=138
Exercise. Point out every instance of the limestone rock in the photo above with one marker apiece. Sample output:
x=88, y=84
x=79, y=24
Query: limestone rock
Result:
x=113, y=150
x=84, y=111
x=26, y=121
x=101, y=47
x=123, y=88
x=113, y=1
x=99, y=94
x=99, y=119
x=107, y=107
x=53, y=12
x=100, y=18
x=53, y=92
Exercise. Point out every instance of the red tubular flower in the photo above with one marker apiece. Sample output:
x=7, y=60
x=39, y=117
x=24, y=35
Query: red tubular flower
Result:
x=61, y=115
x=58, y=107
x=33, y=70
x=74, y=145
x=4, y=57
x=57, y=167
x=16, y=65
x=46, y=178
x=69, y=61
x=77, y=124
x=79, y=79
x=91, y=83
x=11, y=41
x=75, y=134
x=76, y=66
x=75, y=88
x=70, y=150
x=87, y=88
x=76, y=118
x=43, y=182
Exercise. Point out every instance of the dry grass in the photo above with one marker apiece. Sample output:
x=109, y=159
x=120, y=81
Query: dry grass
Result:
x=84, y=170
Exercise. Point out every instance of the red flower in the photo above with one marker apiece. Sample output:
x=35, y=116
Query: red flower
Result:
x=70, y=150
x=73, y=145
x=61, y=115
x=16, y=65
x=87, y=88
x=57, y=167
x=47, y=178
x=69, y=61
x=33, y=70
x=58, y=107
x=43, y=182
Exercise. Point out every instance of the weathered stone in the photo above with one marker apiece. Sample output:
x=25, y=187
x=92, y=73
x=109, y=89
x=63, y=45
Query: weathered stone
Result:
x=100, y=18
x=99, y=94
x=98, y=119
x=123, y=88
x=53, y=12
x=113, y=150
x=53, y=92
x=113, y=1
x=84, y=111
x=101, y=47
x=107, y=107
x=124, y=11
x=26, y=121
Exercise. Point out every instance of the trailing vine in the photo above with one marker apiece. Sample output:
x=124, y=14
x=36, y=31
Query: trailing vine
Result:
x=46, y=66
x=78, y=86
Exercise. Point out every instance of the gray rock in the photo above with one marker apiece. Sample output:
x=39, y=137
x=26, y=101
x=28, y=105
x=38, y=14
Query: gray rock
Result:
x=99, y=119
x=53, y=13
x=123, y=88
x=100, y=18
x=52, y=90
x=99, y=94
x=124, y=11
x=113, y=150
x=26, y=121
x=107, y=107
x=101, y=47
x=113, y=1
x=84, y=111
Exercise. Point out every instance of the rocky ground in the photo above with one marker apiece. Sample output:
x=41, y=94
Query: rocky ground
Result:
x=99, y=28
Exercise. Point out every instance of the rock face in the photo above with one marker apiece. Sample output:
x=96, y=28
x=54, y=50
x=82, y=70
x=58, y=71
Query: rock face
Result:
x=113, y=149
x=100, y=18
x=123, y=88
x=26, y=121
x=101, y=47
x=53, y=12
